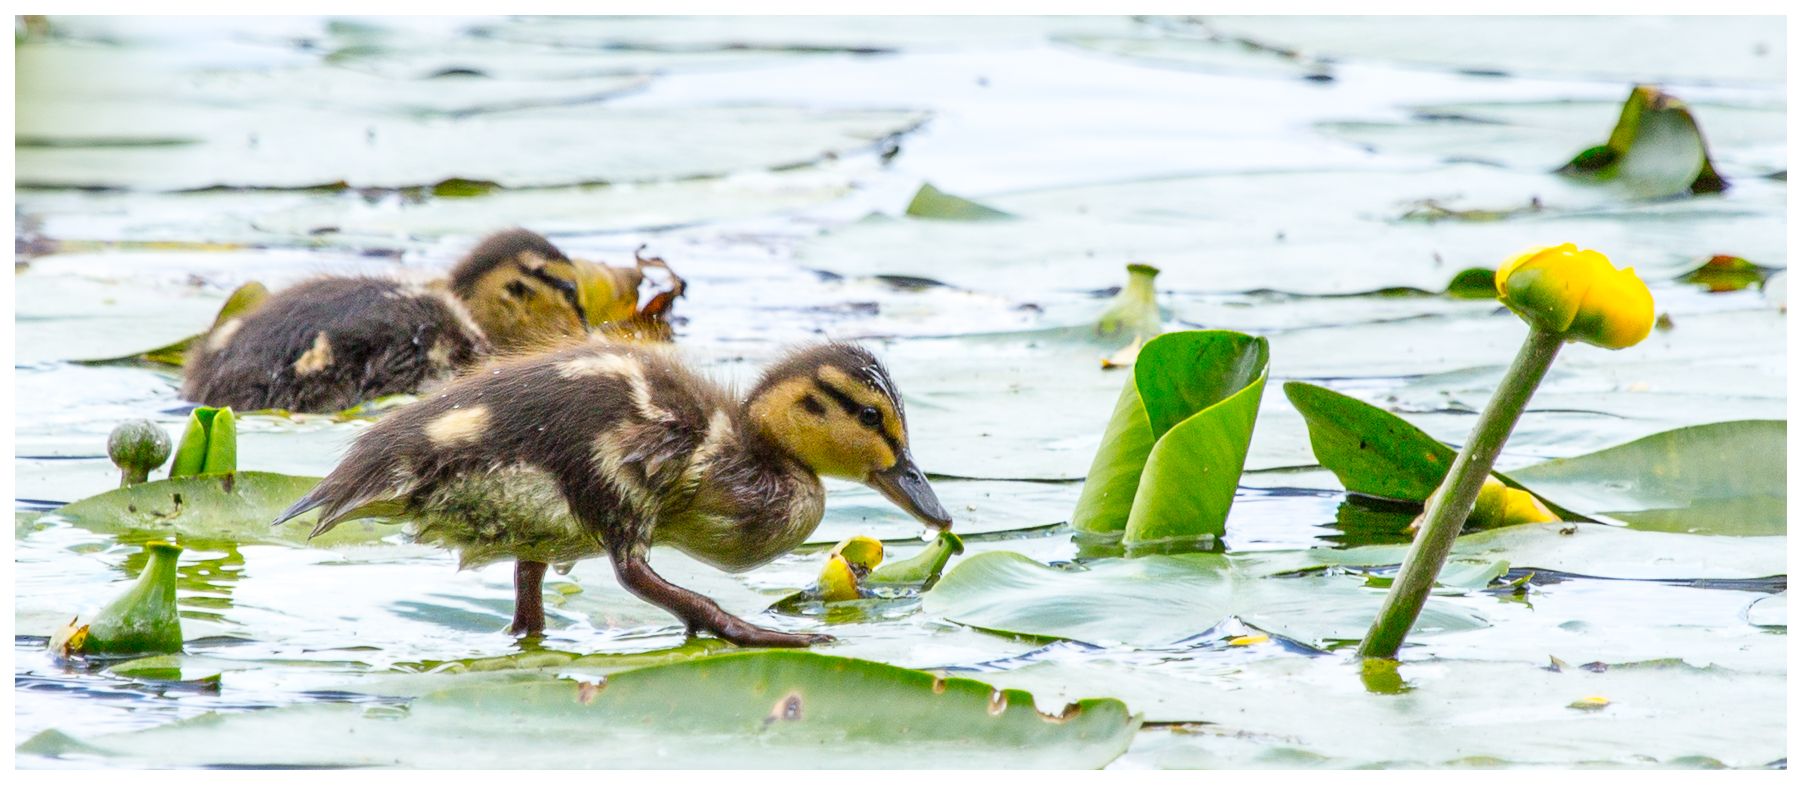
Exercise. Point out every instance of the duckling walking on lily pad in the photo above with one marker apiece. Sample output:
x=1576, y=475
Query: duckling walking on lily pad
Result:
x=330, y=343
x=608, y=448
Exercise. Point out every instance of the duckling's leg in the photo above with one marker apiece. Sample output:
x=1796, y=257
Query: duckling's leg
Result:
x=699, y=612
x=528, y=598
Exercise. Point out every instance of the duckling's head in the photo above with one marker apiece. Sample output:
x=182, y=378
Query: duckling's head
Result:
x=834, y=408
x=521, y=290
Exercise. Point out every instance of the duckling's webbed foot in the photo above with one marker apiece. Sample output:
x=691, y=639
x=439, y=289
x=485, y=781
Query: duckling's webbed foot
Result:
x=528, y=599
x=699, y=612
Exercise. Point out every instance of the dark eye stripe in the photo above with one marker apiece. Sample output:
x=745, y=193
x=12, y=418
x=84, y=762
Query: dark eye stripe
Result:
x=565, y=288
x=844, y=401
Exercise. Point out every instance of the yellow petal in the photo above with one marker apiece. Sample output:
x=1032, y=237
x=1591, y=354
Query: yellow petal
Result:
x=1617, y=311
x=837, y=582
x=1591, y=703
x=1577, y=293
x=860, y=551
x=1522, y=507
x=1249, y=640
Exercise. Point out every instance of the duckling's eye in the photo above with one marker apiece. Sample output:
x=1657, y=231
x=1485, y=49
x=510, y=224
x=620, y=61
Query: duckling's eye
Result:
x=869, y=417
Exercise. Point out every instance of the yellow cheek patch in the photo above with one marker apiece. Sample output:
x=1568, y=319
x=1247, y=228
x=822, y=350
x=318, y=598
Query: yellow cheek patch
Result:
x=458, y=426
x=315, y=359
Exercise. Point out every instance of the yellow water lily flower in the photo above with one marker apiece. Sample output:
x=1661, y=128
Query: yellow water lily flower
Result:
x=860, y=551
x=837, y=582
x=1499, y=505
x=1578, y=294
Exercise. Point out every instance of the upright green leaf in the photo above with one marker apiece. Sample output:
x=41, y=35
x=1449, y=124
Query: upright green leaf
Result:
x=141, y=621
x=1170, y=459
x=1656, y=149
x=1371, y=451
x=209, y=444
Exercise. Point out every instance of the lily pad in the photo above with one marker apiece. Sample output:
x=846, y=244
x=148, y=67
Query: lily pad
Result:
x=753, y=710
x=1170, y=460
x=1742, y=49
x=236, y=507
x=1718, y=478
x=1161, y=599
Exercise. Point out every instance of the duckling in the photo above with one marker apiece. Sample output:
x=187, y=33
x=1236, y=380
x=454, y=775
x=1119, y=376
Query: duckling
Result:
x=330, y=343
x=607, y=448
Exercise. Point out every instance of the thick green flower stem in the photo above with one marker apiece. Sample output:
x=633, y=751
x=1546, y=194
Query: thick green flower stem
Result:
x=1451, y=504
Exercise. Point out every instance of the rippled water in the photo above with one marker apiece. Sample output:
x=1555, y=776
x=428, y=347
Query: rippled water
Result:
x=770, y=162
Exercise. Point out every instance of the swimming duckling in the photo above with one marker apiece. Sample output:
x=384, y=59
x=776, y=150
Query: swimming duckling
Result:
x=608, y=448
x=330, y=343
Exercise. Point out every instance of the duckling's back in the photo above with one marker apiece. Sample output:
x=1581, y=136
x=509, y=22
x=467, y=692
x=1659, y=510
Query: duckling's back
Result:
x=330, y=343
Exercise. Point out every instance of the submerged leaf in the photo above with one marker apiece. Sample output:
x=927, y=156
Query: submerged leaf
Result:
x=1170, y=460
x=755, y=709
x=1722, y=273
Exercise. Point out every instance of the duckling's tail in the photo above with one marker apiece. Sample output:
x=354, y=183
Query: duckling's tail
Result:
x=307, y=503
x=337, y=509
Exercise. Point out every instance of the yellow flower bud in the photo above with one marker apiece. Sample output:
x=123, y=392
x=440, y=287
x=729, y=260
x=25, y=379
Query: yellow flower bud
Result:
x=1578, y=294
x=1500, y=505
x=837, y=582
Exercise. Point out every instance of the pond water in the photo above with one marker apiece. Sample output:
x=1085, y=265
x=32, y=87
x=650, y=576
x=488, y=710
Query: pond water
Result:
x=1267, y=166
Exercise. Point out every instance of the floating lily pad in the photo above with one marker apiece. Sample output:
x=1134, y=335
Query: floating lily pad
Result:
x=1719, y=478
x=236, y=507
x=763, y=709
x=1743, y=49
x=1159, y=599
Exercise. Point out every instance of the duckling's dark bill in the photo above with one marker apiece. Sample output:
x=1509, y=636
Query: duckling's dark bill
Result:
x=906, y=486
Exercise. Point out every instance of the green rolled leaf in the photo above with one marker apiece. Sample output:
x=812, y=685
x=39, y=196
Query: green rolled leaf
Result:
x=921, y=569
x=209, y=444
x=932, y=203
x=1655, y=150
x=1134, y=310
x=1170, y=459
x=1719, y=478
x=768, y=709
x=144, y=619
